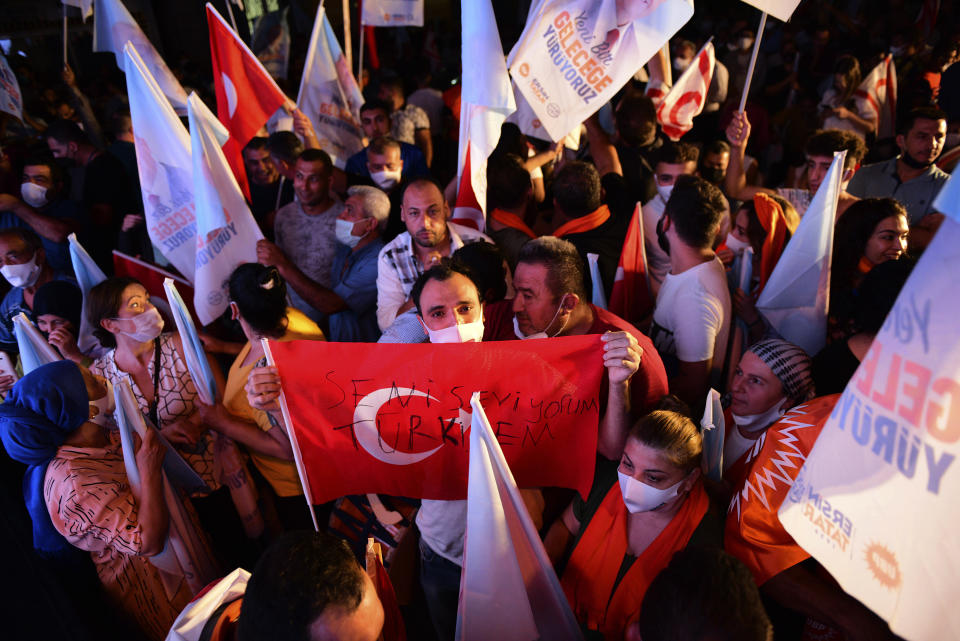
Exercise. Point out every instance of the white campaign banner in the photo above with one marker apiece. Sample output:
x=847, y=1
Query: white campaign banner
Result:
x=392, y=13
x=227, y=233
x=878, y=500
x=574, y=55
x=329, y=95
x=113, y=27
x=164, y=164
x=11, y=100
x=781, y=9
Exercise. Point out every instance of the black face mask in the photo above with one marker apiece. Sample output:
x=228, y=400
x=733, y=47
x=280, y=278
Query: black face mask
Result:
x=662, y=239
x=912, y=162
x=713, y=175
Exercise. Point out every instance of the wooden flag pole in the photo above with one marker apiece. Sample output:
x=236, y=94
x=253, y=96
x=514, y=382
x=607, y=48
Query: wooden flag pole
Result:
x=64, y=35
x=753, y=61
x=233, y=20
x=347, y=35
x=360, y=63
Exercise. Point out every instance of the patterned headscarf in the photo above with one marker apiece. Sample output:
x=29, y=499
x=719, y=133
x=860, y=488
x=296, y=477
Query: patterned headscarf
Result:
x=790, y=364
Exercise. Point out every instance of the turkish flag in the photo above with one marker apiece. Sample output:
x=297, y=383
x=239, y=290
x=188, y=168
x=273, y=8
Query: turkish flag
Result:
x=395, y=418
x=246, y=94
x=630, y=297
x=686, y=98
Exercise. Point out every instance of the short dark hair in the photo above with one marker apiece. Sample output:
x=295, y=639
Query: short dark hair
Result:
x=317, y=155
x=285, y=145
x=65, y=131
x=103, y=302
x=442, y=271
x=25, y=234
x=120, y=123
x=677, y=153
x=380, y=145
x=296, y=579
x=905, y=124
x=564, y=265
x=485, y=262
x=576, y=188
x=508, y=182
x=258, y=143
x=718, y=147
x=375, y=105
x=824, y=142
x=45, y=159
x=636, y=119
x=695, y=208
x=703, y=593
x=261, y=297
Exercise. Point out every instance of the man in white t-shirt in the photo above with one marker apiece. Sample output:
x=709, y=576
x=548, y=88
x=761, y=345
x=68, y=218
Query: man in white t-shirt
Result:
x=691, y=322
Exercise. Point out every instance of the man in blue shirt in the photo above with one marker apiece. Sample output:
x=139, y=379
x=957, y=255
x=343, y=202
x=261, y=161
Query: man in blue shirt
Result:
x=375, y=120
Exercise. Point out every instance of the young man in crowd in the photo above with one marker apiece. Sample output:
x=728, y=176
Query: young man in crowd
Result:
x=408, y=123
x=375, y=120
x=266, y=187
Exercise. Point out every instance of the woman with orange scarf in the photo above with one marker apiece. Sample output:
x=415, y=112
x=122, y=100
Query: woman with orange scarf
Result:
x=626, y=532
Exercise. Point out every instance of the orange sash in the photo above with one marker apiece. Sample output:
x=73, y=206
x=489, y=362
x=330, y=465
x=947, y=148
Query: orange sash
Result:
x=584, y=223
x=775, y=224
x=511, y=220
x=226, y=627
x=589, y=577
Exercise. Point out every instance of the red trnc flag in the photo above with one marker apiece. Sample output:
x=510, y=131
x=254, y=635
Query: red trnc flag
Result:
x=246, y=94
x=395, y=419
x=468, y=210
x=630, y=296
x=877, y=96
x=686, y=98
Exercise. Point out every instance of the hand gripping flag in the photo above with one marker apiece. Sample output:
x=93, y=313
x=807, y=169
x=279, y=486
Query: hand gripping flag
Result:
x=114, y=27
x=329, y=94
x=486, y=100
x=877, y=96
x=89, y=275
x=35, y=351
x=794, y=300
x=882, y=483
x=574, y=55
x=164, y=165
x=509, y=590
x=193, y=351
x=11, y=100
x=246, y=94
x=630, y=297
x=685, y=99
x=227, y=234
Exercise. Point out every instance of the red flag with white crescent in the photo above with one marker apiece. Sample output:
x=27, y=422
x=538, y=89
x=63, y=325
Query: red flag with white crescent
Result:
x=395, y=419
x=686, y=98
x=877, y=96
x=630, y=297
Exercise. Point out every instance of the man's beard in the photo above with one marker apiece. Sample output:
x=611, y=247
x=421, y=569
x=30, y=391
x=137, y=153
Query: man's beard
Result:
x=913, y=163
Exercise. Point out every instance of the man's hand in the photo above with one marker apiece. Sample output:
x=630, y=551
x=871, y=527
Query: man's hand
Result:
x=621, y=356
x=263, y=388
x=738, y=131
x=132, y=220
x=269, y=254
x=68, y=76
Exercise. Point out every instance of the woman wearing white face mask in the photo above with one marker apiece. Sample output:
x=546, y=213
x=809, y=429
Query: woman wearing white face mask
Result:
x=633, y=522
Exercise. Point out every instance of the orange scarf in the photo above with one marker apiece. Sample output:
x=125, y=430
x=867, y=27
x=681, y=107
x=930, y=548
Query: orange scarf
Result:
x=864, y=266
x=589, y=577
x=511, y=220
x=584, y=223
x=775, y=224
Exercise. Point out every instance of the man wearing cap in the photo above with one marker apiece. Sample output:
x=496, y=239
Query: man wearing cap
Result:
x=771, y=377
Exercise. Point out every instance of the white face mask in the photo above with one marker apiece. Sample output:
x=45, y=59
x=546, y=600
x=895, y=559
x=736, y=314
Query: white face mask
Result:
x=105, y=407
x=344, y=232
x=385, y=179
x=147, y=325
x=462, y=333
x=736, y=245
x=23, y=275
x=664, y=191
x=33, y=194
x=640, y=497
x=542, y=333
x=755, y=422
x=681, y=64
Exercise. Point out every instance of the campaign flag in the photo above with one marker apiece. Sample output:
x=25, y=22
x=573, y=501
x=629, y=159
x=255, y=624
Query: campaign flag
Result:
x=271, y=43
x=227, y=233
x=597, y=296
x=11, y=100
x=877, y=96
x=630, y=297
x=685, y=99
x=114, y=27
x=781, y=9
x=794, y=300
x=573, y=56
x=392, y=13
x=530, y=125
x=35, y=351
x=85, y=7
x=193, y=351
x=713, y=427
x=89, y=275
x=190, y=623
x=509, y=590
x=246, y=94
x=164, y=165
x=486, y=100
x=329, y=94
x=394, y=418
x=882, y=484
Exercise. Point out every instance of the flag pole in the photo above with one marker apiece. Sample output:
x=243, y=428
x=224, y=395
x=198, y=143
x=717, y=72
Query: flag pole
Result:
x=360, y=63
x=753, y=61
x=347, y=35
x=233, y=20
x=64, y=35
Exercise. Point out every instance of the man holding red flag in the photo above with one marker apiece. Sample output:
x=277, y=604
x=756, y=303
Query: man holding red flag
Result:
x=246, y=94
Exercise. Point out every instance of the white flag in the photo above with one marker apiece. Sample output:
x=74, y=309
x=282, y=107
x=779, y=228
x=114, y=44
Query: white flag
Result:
x=781, y=9
x=164, y=164
x=877, y=96
x=509, y=590
x=392, y=13
x=329, y=95
x=113, y=27
x=878, y=498
x=525, y=118
x=597, y=295
x=85, y=7
x=685, y=99
x=574, y=55
x=89, y=275
x=227, y=234
x=11, y=100
x=795, y=297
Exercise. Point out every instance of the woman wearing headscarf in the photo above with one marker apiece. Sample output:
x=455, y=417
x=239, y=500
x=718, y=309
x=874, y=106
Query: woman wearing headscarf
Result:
x=78, y=494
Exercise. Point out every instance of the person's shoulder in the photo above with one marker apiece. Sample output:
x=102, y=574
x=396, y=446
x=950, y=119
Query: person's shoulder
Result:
x=410, y=152
x=289, y=210
x=402, y=239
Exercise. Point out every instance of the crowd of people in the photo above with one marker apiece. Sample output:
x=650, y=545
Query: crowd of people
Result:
x=367, y=253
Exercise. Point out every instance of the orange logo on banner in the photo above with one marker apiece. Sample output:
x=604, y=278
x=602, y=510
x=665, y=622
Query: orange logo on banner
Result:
x=524, y=70
x=883, y=563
